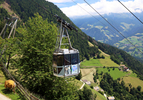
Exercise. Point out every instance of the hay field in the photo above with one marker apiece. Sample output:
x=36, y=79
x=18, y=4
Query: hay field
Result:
x=87, y=74
x=135, y=82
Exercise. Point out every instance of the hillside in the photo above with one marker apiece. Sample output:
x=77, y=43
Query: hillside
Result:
x=34, y=67
x=125, y=81
x=79, y=40
x=27, y=8
x=99, y=62
x=137, y=41
x=101, y=31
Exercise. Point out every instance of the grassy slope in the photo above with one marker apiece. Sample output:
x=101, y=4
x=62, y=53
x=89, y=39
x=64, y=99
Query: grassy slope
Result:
x=99, y=96
x=76, y=82
x=92, y=62
x=3, y=90
x=128, y=77
x=114, y=73
x=137, y=40
x=99, y=62
x=107, y=61
x=88, y=75
x=134, y=81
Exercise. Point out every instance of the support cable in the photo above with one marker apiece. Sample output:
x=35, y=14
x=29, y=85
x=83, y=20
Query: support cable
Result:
x=92, y=15
x=114, y=28
x=130, y=11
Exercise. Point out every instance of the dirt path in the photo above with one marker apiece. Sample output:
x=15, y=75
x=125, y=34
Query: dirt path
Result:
x=82, y=84
x=2, y=97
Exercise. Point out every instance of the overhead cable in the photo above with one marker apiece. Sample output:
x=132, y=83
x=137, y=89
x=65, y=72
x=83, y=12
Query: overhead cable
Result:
x=130, y=12
x=91, y=15
x=114, y=27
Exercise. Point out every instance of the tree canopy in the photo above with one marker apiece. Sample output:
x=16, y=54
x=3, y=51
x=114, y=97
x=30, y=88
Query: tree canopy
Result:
x=34, y=61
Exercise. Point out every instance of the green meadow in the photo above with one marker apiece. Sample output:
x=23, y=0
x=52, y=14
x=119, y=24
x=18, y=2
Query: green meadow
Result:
x=92, y=62
x=99, y=62
x=116, y=73
x=99, y=96
x=134, y=81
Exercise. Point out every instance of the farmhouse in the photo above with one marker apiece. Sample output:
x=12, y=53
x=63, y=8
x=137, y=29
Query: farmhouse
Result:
x=87, y=82
x=111, y=98
x=96, y=88
x=124, y=68
x=84, y=81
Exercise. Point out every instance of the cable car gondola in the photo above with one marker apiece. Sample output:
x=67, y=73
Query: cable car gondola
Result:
x=66, y=62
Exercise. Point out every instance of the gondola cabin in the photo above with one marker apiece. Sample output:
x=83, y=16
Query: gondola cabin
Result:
x=66, y=63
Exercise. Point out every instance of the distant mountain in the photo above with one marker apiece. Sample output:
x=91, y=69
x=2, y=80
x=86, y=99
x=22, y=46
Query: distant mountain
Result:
x=101, y=31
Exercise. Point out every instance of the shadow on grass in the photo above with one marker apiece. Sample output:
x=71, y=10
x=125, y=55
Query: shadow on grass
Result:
x=7, y=91
x=17, y=94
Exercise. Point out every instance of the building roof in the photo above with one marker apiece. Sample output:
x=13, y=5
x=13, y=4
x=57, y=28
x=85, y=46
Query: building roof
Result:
x=88, y=82
x=96, y=88
x=84, y=81
x=111, y=98
x=125, y=67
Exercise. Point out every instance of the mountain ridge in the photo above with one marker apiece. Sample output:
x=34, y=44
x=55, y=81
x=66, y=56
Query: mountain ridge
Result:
x=79, y=41
x=128, y=26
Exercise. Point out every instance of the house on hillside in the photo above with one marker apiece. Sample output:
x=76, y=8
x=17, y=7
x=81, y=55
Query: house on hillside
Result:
x=84, y=81
x=96, y=88
x=111, y=98
x=87, y=82
x=124, y=68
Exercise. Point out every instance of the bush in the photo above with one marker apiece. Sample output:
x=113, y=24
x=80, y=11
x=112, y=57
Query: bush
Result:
x=101, y=92
x=91, y=87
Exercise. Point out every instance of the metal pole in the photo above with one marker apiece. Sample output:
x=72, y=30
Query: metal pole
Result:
x=61, y=36
x=12, y=29
x=69, y=39
x=15, y=28
x=3, y=30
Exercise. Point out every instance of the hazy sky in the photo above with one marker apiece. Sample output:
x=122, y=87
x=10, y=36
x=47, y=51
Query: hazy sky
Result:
x=71, y=9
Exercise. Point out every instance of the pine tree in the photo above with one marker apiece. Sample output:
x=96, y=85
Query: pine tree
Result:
x=79, y=76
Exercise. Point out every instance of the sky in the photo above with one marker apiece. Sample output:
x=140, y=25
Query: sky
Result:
x=78, y=8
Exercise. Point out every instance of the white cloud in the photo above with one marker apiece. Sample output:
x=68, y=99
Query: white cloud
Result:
x=59, y=1
x=103, y=7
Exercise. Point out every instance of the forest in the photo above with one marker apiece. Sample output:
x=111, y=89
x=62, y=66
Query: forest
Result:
x=118, y=89
x=34, y=67
x=119, y=56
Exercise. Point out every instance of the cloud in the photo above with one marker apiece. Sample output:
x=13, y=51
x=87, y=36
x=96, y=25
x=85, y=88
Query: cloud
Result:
x=103, y=7
x=59, y=1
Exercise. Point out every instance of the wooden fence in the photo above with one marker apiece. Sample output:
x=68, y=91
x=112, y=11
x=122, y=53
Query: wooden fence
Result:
x=19, y=86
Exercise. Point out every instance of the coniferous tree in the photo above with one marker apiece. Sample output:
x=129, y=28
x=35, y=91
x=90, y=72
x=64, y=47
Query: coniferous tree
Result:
x=79, y=76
